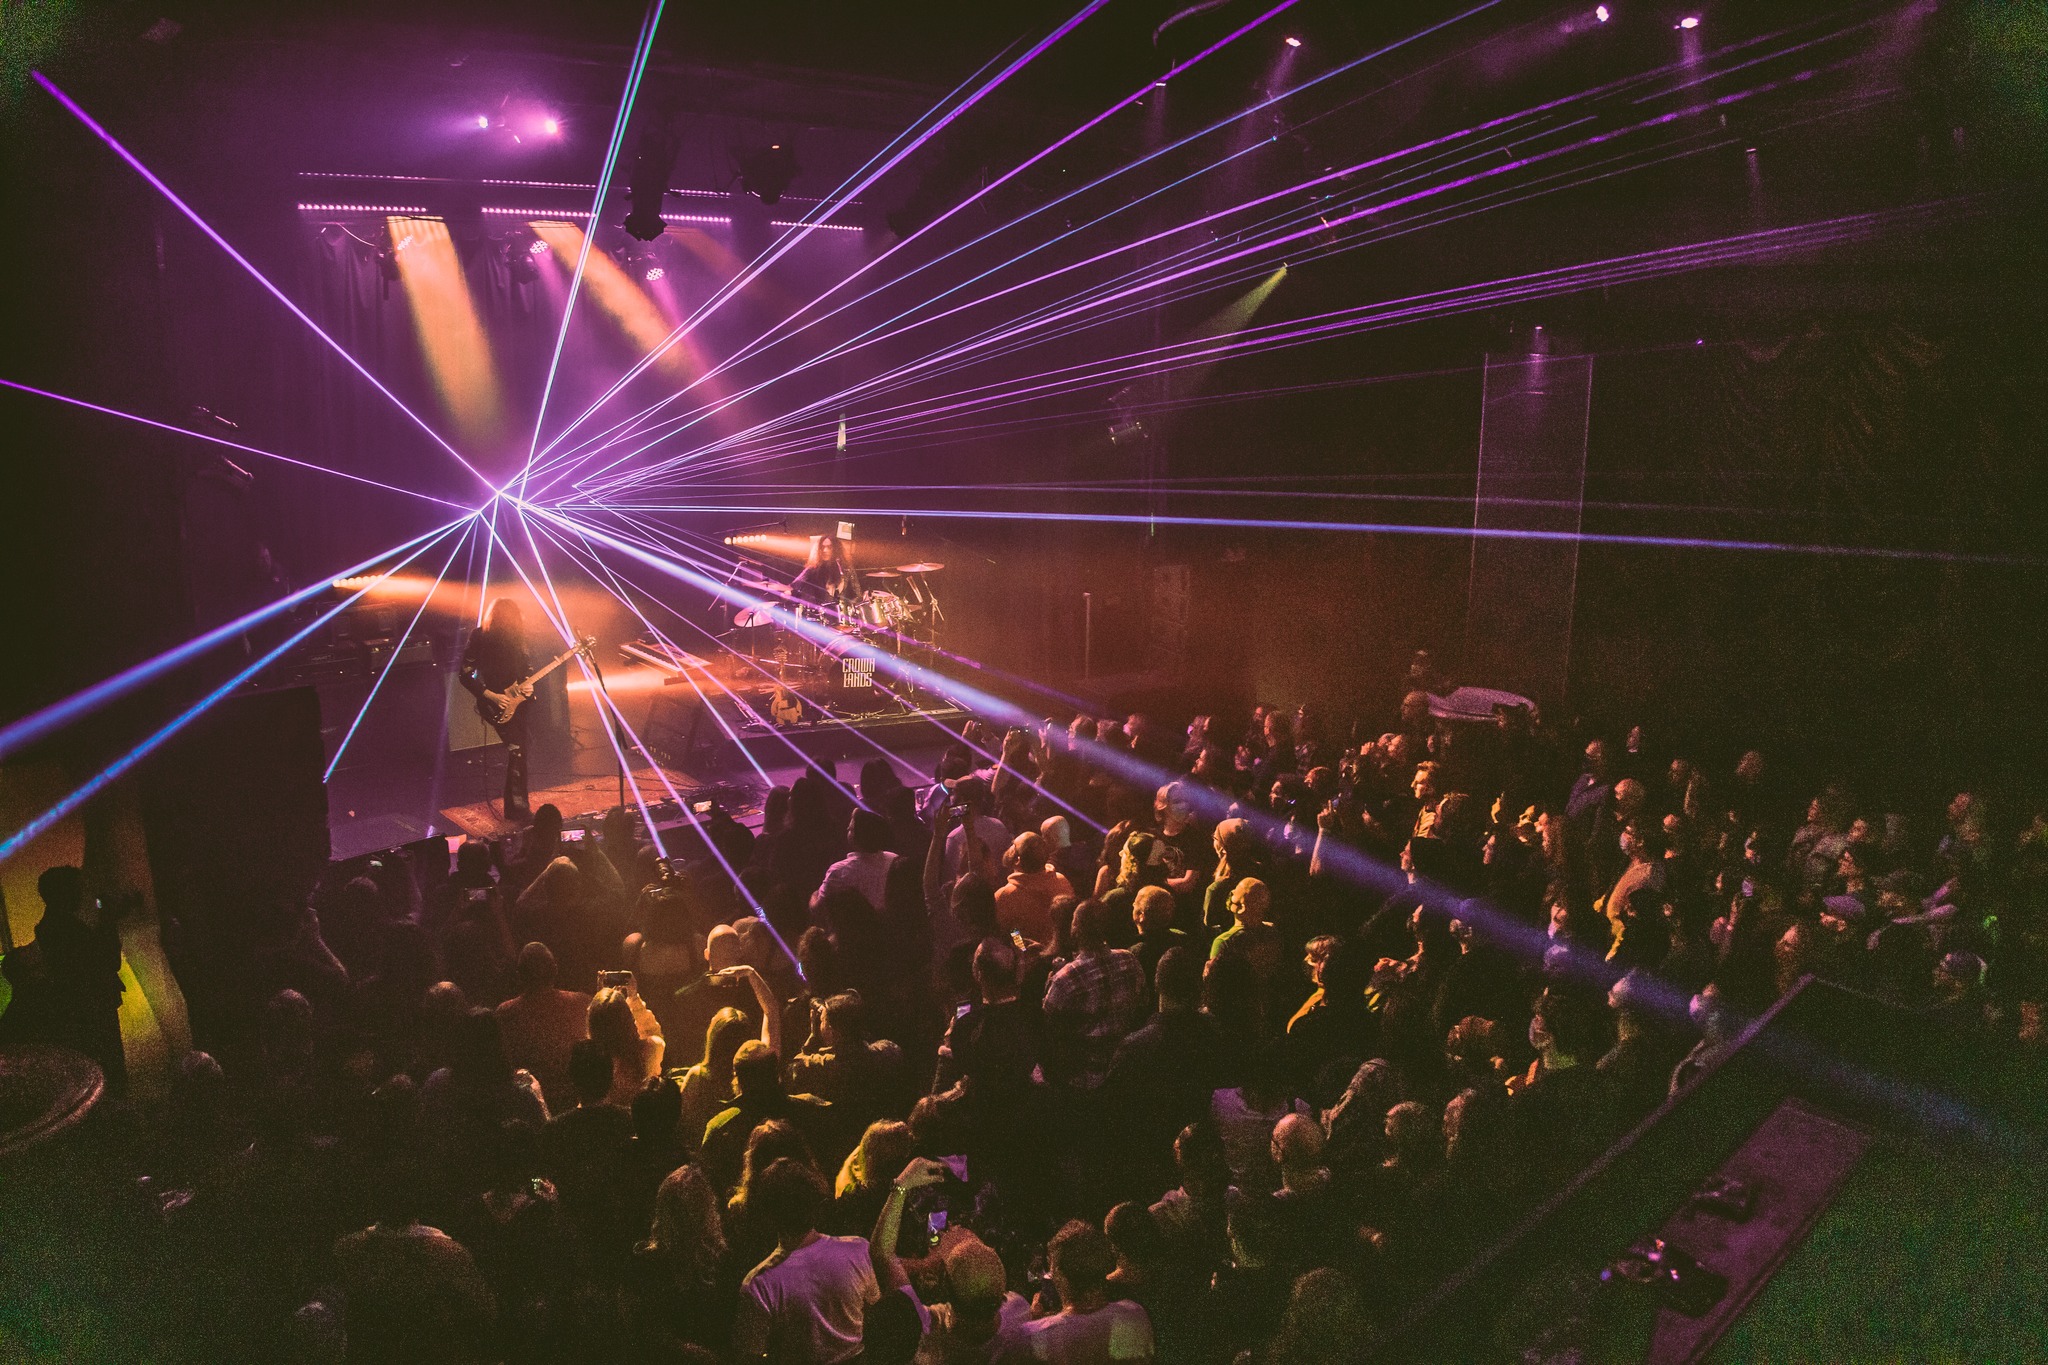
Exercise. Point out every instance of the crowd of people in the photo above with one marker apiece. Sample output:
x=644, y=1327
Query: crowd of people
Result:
x=1102, y=1045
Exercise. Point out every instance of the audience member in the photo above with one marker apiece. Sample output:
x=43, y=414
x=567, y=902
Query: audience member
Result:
x=806, y=1303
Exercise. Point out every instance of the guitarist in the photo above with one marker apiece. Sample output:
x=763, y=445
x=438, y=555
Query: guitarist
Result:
x=495, y=660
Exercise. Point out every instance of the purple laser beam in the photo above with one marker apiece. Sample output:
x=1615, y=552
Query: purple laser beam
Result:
x=220, y=441
x=158, y=184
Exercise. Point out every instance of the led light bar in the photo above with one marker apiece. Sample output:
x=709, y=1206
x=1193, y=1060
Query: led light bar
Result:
x=362, y=208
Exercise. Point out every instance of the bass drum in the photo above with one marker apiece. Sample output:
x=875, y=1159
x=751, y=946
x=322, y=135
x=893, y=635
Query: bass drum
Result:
x=849, y=663
x=881, y=610
x=841, y=644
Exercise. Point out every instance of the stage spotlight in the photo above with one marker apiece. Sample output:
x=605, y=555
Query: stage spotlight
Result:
x=1293, y=41
x=1690, y=21
x=207, y=417
x=654, y=272
x=652, y=164
x=538, y=247
x=520, y=266
x=483, y=120
x=766, y=174
x=551, y=126
x=1602, y=14
x=1126, y=433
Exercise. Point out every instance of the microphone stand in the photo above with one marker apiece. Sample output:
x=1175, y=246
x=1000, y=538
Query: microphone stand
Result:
x=608, y=709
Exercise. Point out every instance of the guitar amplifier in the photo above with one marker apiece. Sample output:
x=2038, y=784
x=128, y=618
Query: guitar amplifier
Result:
x=677, y=730
x=466, y=729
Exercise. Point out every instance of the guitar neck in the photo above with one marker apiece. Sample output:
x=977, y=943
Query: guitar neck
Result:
x=552, y=665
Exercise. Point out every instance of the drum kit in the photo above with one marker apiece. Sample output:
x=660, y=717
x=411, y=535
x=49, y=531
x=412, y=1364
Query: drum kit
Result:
x=896, y=607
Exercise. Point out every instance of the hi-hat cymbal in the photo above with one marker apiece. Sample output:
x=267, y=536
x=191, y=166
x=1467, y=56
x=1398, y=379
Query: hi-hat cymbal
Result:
x=926, y=567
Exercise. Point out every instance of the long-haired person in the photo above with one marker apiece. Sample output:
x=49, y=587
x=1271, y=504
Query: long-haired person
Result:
x=828, y=574
x=495, y=660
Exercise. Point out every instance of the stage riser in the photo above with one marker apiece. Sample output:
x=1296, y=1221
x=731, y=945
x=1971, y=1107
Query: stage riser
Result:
x=683, y=733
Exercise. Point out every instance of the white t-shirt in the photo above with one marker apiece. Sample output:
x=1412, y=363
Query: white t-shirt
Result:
x=806, y=1308
x=939, y=1346
x=994, y=836
x=1118, y=1331
x=867, y=873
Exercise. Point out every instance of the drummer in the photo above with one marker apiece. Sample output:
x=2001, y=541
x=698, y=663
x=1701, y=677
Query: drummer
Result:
x=828, y=575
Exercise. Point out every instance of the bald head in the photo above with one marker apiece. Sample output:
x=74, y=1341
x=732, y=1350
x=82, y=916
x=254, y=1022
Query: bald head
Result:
x=1297, y=1143
x=1029, y=852
x=1250, y=901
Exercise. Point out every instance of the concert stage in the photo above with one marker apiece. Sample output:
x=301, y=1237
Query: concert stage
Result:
x=429, y=766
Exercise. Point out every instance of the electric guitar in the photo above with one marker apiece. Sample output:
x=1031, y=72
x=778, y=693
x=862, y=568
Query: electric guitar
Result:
x=508, y=701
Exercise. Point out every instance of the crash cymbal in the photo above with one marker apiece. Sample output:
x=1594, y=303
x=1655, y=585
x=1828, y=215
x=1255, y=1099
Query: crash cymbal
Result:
x=881, y=573
x=926, y=567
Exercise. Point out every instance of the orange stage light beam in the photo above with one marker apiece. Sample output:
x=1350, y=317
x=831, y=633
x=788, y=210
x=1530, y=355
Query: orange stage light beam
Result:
x=457, y=351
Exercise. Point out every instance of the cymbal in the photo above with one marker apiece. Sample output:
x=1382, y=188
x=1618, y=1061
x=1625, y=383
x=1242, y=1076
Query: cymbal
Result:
x=881, y=573
x=926, y=567
x=750, y=617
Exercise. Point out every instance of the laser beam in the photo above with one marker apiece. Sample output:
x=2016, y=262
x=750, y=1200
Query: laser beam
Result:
x=85, y=792
x=157, y=183
x=396, y=651
x=220, y=441
x=643, y=46
x=56, y=716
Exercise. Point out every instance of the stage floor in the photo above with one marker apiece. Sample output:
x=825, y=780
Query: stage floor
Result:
x=398, y=781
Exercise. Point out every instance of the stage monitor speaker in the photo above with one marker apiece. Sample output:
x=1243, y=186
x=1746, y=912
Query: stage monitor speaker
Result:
x=677, y=730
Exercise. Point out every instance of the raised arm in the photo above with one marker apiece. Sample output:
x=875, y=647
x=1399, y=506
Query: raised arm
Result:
x=889, y=1272
x=764, y=996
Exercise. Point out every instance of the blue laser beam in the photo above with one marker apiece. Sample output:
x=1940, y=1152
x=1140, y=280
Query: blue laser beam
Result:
x=56, y=716
x=643, y=47
x=94, y=785
x=396, y=650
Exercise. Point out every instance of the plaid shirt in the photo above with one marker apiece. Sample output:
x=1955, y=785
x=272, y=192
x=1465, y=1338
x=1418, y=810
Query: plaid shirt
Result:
x=1105, y=996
